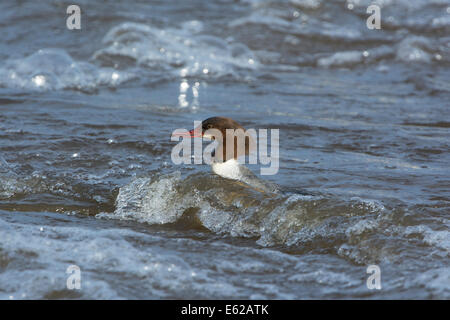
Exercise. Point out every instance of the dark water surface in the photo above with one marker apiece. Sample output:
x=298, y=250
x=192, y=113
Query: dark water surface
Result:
x=86, y=176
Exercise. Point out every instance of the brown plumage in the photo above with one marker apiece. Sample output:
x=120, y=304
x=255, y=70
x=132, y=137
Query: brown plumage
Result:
x=222, y=124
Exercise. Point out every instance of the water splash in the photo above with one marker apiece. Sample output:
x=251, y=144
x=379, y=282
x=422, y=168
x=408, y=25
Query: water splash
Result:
x=54, y=69
x=182, y=52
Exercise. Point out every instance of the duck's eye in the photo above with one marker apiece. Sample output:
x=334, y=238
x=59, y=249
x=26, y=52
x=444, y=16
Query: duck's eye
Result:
x=209, y=126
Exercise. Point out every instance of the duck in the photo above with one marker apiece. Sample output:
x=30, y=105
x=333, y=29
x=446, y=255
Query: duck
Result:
x=224, y=160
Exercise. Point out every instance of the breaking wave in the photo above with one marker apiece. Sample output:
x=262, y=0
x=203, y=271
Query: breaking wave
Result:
x=54, y=69
x=288, y=219
x=181, y=52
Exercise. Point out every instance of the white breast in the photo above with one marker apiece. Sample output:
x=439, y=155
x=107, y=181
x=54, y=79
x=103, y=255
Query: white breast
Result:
x=229, y=169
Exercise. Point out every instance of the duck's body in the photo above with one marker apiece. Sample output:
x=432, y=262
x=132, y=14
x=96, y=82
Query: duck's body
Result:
x=230, y=169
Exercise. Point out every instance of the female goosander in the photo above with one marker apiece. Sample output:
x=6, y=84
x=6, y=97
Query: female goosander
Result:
x=225, y=163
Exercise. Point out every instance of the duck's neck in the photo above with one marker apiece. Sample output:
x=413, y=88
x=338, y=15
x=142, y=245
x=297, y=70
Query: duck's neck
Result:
x=229, y=169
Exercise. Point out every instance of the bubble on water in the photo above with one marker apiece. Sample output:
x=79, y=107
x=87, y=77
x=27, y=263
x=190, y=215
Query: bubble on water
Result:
x=39, y=80
x=414, y=49
x=115, y=76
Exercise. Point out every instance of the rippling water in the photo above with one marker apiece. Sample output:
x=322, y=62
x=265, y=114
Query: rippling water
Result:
x=86, y=176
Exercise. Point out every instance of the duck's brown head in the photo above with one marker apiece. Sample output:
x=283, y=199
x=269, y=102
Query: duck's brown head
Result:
x=208, y=129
